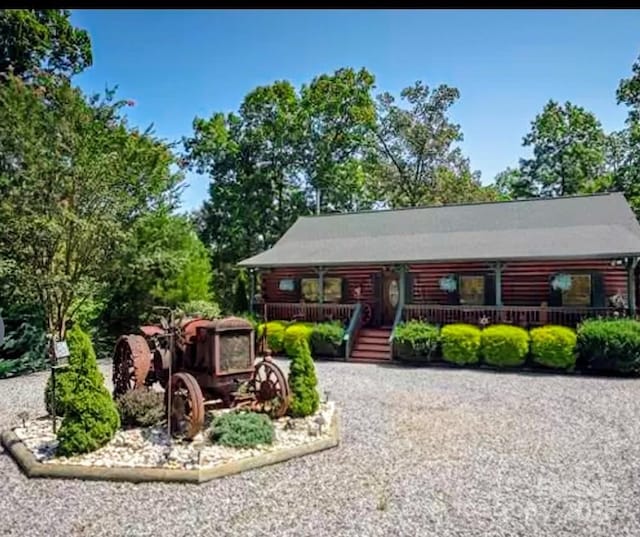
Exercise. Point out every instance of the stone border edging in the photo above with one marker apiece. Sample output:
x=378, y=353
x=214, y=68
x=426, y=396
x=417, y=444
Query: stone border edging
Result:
x=32, y=468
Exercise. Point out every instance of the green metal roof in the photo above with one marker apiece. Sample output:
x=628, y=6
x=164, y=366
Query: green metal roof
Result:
x=599, y=225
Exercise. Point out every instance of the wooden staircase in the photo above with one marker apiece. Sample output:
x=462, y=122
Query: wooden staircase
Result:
x=372, y=345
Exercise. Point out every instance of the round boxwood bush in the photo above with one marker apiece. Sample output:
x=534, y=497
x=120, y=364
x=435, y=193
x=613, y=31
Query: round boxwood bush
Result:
x=275, y=334
x=293, y=332
x=303, y=382
x=611, y=345
x=504, y=345
x=91, y=417
x=242, y=429
x=418, y=338
x=460, y=343
x=553, y=346
x=141, y=407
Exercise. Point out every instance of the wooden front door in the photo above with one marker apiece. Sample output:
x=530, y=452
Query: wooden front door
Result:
x=390, y=297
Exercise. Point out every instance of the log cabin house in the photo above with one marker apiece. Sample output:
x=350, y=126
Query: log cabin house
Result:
x=525, y=262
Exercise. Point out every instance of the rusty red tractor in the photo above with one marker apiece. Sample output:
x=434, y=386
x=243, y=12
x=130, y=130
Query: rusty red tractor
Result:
x=200, y=363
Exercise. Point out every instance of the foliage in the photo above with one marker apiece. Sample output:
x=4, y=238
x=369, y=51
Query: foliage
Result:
x=166, y=265
x=504, y=345
x=305, y=398
x=417, y=161
x=330, y=332
x=242, y=429
x=73, y=178
x=275, y=334
x=421, y=337
x=141, y=407
x=32, y=39
x=23, y=350
x=460, y=343
x=240, y=296
x=293, y=333
x=610, y=345
x=201, y=308
x=553, y=346
x=91, y=418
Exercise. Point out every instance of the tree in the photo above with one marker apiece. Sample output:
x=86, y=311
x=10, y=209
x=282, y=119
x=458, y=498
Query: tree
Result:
x=339, y=119
x=303, y=381
x=569, y=149
x=32, y=39
x=416, y=161
x=512, y=184
x=73, y=179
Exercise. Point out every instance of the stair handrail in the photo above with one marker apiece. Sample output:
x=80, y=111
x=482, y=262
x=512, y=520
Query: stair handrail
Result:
x=396, y=321
x=350, y=335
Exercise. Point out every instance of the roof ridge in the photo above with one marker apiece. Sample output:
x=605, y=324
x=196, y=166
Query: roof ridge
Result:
x=466, y=204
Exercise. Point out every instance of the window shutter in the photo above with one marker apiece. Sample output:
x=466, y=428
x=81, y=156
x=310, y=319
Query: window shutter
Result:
x=408, y=287
x=490, y=290
x=555, y=295
x=598, y=298
x=453, y=299
x=344, y=292
x=297, y=290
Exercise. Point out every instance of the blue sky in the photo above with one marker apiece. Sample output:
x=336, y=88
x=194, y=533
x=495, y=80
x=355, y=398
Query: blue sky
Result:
x=180, y=64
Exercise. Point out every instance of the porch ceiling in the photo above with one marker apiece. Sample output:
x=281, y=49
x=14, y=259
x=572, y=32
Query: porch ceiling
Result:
x=559, y=228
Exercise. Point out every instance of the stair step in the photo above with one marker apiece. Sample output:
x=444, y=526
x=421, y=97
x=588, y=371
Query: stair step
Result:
x=369, y=355
x=372, y=347
x=373, y=335
x=369, y=339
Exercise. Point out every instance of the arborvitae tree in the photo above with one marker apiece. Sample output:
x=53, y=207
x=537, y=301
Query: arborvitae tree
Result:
x=303, y=381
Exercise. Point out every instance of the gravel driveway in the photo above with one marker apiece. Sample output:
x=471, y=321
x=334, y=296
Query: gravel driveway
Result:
x=443, y=452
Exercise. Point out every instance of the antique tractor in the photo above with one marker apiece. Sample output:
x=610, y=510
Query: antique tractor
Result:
x=200, y=363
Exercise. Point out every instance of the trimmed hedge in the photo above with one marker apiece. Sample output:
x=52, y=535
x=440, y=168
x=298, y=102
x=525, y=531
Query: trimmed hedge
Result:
x=611, y=345
x=554, y=346
x=460, y=343
x=294, y=332
x=275, y=334
x=326, y=339
x=504, y=345
x=416, y=339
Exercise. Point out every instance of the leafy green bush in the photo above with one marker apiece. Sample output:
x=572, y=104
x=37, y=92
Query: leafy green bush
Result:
x=460, y=343
x=504, y=345
x=418, y=338
x=275, y=334
x=327, y=338
x=23, y=350
x=303, y=382
x=91, y=417
x=141, y=407
x=610, y=345
x=242, y=429
x=201, y=308
x=294, y=332
x=553, y=346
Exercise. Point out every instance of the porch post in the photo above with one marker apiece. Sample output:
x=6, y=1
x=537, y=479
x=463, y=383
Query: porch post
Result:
x=252, y=288
x=631, y=285
x=498, y=271
x=320, y=272
x=402, y=284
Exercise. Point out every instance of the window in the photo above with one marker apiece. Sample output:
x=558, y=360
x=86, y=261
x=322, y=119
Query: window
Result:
x=310, y=289
x=286, y=285
x=332, y=289
x=579, y=294
x=471, y=290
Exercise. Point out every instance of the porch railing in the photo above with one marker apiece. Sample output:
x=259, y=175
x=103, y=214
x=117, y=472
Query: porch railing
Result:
x=524, y=316
x=290, y=311
x=351, y=335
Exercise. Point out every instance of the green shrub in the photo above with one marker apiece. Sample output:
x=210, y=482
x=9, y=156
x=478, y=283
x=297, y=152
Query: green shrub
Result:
x=460, y=343
x=141, y=407
x=91, y=417
x=305, y=399
x=610, y=345
x=23, y=350
x=275, y=334
x=553, y=346
x=294, y=332
x=327, y=338
x=242, y=429
x=504, y=345
x=201, y=308
x=421, y=339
